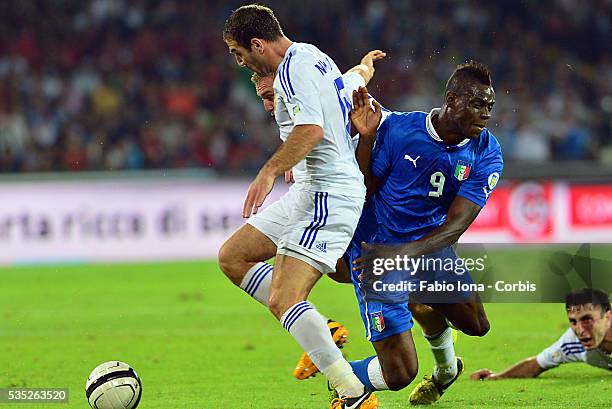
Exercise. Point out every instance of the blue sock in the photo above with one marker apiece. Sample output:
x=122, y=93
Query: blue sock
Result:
x=360, y=368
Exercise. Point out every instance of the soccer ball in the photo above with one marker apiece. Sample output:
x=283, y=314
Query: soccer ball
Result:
x=113, y=385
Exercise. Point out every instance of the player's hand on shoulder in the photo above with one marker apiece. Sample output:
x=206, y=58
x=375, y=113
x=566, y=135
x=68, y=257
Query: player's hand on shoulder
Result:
x=363, y=118
x=481, y=375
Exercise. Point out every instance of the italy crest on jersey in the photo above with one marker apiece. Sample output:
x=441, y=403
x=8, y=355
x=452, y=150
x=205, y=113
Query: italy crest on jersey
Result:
x=462, y=171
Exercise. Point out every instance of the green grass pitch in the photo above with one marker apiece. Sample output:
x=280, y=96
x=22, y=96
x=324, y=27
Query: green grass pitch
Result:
x=198, y=342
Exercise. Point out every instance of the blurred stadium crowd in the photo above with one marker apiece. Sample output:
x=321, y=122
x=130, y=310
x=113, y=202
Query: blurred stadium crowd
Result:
x=112, y=84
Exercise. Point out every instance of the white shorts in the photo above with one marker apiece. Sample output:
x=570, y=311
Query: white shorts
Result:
x=315, y=227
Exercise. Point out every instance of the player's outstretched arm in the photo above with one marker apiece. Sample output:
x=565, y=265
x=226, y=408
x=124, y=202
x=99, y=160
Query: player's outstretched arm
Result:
x=365, y=121
x=365, y=68
x=459, y=217
x=298, y=144
x=529, y=368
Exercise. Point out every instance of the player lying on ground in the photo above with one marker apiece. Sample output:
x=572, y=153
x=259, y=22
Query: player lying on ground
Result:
x=425, y=316
x=589, y=339
x=313, y=223
x=428, y=177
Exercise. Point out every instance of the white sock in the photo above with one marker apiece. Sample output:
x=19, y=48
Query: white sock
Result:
x=256, y=282
x=376, y=376
x=443, y=352
x=310, y=330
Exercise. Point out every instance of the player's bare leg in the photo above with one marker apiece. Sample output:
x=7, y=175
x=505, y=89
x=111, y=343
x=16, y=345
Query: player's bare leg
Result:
x=398, y=360
x=245, y=252
x=246, y=247
x=447, y=367
x=468, y=317
x=292, y=281
x=342, y=274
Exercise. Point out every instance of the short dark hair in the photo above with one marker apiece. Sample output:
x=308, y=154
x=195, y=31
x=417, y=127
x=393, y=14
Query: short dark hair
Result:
x=587, y=296
x=465, y=75
x=252, y=21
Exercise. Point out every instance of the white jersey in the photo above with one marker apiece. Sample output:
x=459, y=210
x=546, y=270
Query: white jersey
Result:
x=569, y=349
x=309, y=90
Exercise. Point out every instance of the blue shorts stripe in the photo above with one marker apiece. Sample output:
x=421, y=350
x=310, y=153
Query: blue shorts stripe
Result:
x=254, y=277
x=316, y=230
x=294, y=310
x=314, y=219
x=261, y=278
x=296, y=316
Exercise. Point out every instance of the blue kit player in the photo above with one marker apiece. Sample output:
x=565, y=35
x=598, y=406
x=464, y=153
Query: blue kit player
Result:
x=428, y=176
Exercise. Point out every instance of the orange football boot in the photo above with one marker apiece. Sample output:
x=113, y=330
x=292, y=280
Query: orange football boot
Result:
x=305, y=368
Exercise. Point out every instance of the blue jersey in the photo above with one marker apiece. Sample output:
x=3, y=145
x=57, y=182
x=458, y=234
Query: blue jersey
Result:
x=421, y=176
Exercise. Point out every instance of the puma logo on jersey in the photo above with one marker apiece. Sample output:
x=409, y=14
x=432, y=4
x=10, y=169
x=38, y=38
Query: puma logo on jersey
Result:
x=412, y=160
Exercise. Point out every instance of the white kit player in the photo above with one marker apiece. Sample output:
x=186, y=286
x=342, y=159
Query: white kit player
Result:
x=588, y=340
x=315, y=221
x=267, y=221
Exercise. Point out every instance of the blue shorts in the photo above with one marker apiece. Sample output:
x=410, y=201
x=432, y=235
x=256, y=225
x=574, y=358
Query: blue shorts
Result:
x=384, y=310
x=381, y=319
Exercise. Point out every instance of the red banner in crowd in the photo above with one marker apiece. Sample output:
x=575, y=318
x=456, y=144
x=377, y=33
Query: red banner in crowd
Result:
x=545, y=212
x=591, y=206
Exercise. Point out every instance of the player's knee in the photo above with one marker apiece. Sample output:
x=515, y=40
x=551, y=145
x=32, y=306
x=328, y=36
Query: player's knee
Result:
x=420, y=312
x=401, y=375
x=228, y=263
x=224, y=258
x=484, y=327
x=479, y=328
x=400, y=380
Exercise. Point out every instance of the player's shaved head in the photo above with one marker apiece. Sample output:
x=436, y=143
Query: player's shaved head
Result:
x=252, y=21
x=585, y=296
x=466, y=75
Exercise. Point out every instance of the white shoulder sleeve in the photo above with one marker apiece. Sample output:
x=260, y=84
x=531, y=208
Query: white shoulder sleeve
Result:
x=300, y=82
x=352, y=81
x=567, y=349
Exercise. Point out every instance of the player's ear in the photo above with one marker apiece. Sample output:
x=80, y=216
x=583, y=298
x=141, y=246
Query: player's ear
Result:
x=257, y=45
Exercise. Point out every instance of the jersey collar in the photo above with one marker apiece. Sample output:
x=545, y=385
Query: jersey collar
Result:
x=432, y=131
